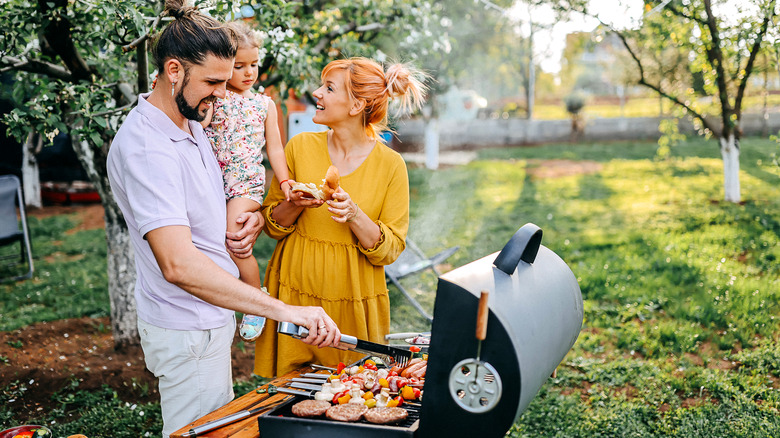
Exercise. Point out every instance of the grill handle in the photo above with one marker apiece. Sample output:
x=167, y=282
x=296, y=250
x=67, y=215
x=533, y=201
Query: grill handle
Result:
x=482, y=316
x=524, y=245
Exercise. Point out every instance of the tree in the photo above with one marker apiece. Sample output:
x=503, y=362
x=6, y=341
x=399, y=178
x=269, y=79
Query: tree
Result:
x=453, y=51
x=721, y=41
x=79, y=66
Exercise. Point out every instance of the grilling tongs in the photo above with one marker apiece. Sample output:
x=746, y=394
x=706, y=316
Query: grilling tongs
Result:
x=389, y=354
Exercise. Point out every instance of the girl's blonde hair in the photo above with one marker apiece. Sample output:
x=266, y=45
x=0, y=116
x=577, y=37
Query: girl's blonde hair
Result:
x=367, y=80
x=245, y=36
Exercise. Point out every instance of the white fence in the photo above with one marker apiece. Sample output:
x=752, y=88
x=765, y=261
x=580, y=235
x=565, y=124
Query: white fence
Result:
x=479, y=133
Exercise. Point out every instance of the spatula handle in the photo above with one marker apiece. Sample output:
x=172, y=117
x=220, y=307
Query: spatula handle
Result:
x=482, y=316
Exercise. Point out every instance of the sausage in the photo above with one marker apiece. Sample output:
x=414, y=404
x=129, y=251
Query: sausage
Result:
x=399, y=370
x=420, y=372
x=407, y=372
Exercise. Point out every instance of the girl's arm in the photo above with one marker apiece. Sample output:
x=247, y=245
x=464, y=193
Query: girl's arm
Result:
x=273, y=144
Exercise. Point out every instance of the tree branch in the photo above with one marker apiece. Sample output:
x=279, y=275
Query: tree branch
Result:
x=327, y=39
x=134, y=44
x=57, y=34
x=682, y=14
x=657, y=88
x=332, y=35
x=751, y=60
x=715, y=56
x=35, y=66
x=108, y=112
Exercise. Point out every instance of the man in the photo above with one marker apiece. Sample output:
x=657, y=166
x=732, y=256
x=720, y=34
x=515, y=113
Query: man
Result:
x=168, y=184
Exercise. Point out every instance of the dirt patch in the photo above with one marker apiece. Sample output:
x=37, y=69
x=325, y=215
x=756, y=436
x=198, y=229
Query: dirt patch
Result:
x=88, y=216
x=48, y=356
x=558, y=168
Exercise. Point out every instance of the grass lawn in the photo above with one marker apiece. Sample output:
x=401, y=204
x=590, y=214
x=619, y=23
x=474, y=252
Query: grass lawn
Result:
x=681, y=290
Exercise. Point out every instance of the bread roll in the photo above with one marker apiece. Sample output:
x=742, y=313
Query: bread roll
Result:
x=326, y=190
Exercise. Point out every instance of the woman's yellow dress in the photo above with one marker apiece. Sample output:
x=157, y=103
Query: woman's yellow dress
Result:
x=319, y=262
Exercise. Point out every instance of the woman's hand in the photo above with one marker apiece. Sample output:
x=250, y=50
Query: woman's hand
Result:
x=343, y=207
x=241, y=242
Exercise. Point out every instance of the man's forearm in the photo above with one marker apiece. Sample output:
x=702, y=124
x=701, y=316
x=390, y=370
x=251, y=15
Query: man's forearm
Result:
x=185, y=266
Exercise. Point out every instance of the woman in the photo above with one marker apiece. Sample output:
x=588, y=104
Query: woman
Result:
x=334, y=254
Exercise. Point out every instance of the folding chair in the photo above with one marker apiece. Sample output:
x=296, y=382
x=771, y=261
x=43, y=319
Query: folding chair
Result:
x=10, y=231
x=411, y=261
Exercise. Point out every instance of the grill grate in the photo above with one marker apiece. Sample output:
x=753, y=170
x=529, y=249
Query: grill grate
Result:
x=281, y=422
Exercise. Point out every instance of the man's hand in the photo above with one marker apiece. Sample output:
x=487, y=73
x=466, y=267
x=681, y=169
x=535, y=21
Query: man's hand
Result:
x=240, y=243
x=323, y=332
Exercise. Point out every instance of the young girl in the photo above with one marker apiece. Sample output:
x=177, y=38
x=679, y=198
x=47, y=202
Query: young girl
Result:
x=241, y=124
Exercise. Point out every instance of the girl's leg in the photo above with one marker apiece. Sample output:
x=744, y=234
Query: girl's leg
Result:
x=251, y=326
x=247, y=268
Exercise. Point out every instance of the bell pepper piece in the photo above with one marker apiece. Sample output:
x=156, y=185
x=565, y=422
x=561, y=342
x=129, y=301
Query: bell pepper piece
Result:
x=340, y=367
x=344, y=399
x=407, y=392
x=338, y=395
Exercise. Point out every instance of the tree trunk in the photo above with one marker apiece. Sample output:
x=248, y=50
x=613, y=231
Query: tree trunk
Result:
x=121, y=279
x=31, y=180
x=121, y=263
x=729, y=150
x=432, y=143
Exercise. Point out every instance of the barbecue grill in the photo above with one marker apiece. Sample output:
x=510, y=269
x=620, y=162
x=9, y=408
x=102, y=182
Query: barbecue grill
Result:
x=501, y=326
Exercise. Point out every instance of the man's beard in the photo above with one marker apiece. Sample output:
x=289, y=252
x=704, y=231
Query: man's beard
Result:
x=190, y=112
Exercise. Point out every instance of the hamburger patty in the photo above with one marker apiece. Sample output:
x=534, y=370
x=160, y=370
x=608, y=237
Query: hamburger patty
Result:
x=386, y=415
x=310, y=408
x=347, y=412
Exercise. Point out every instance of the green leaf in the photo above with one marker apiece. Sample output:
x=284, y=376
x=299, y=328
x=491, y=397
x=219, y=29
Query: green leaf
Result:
x=96, y=139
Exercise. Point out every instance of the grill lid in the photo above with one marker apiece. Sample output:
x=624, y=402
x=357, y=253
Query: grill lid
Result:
x=535, y=315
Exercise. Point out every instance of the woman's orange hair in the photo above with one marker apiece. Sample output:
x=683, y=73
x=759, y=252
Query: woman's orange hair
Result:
x=367, y=80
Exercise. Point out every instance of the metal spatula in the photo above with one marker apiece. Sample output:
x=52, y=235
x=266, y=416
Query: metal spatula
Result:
x=391, y=355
